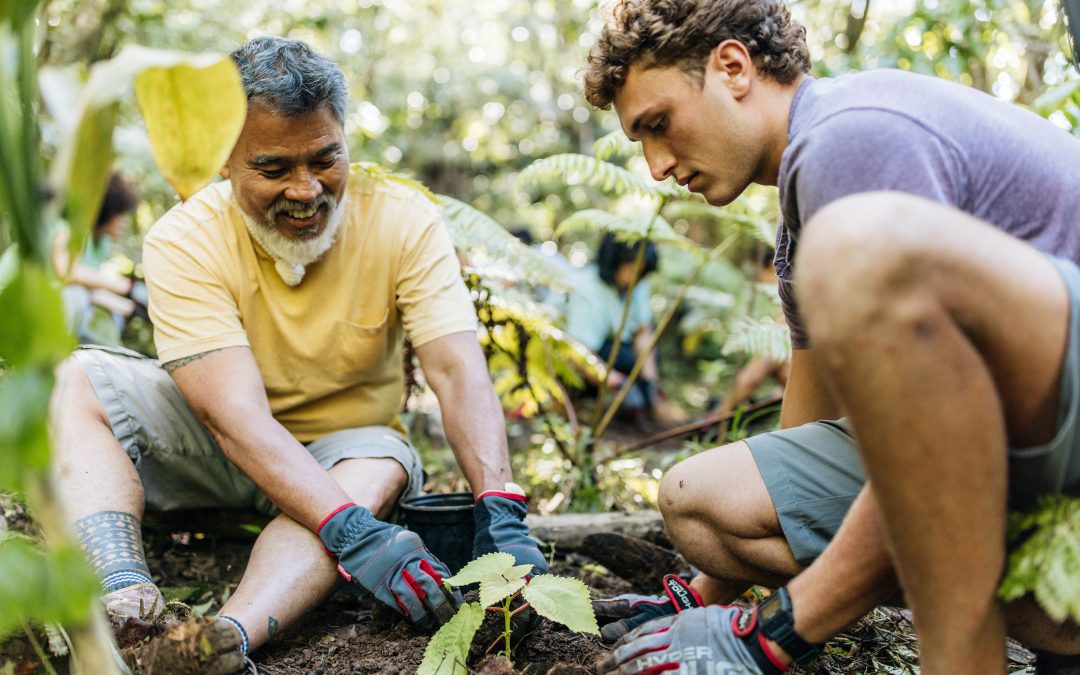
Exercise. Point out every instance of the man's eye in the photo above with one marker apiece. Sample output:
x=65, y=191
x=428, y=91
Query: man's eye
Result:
x=660, y=125
x=326, y=163
x=273, y=173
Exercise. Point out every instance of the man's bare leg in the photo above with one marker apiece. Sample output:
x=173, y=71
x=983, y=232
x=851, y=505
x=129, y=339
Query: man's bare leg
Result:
x=943, y=338
x=289, y=572
x=719, y=515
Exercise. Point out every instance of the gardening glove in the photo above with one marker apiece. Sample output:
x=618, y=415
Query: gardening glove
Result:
x=713, y=639
x=500, y=526
x=631, y=610
x=390, y=562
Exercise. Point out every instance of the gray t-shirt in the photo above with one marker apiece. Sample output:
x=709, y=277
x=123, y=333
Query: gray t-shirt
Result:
x=892, y=130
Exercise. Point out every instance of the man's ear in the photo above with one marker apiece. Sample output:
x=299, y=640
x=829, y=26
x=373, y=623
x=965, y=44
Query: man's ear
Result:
x=224, y=171
x=731, y=60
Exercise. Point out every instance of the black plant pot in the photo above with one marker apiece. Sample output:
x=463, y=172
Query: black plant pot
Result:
x=445, y=523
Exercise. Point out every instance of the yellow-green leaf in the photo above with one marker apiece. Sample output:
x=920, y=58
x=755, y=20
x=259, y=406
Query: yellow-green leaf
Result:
x=449, y=647
x=563, y=600
x=484, y=568
x=498, y=589
x=193, y=117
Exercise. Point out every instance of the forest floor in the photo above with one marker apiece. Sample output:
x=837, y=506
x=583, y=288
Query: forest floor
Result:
x=348, y=634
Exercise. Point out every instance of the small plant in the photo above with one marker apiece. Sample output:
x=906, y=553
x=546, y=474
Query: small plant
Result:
x=561, y=599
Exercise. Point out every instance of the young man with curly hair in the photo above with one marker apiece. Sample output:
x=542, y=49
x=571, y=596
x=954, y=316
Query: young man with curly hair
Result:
x=927, y=259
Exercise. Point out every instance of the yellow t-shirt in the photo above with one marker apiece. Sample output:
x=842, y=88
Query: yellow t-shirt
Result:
x=329, y=349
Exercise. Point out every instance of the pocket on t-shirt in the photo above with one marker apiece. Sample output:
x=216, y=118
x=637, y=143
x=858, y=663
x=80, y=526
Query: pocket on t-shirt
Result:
x=359, y=347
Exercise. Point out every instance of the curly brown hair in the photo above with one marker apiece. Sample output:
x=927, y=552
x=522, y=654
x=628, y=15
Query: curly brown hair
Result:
x=662, y=33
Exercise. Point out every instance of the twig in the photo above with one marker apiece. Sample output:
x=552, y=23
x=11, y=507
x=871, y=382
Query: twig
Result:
x=38, y=650
x=691, y=427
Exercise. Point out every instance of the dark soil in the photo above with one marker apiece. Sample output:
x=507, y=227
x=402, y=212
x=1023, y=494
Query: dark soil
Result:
x=349, y=635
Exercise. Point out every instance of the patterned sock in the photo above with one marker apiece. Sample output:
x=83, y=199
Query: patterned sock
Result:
x=239, y=627
x=112, y=541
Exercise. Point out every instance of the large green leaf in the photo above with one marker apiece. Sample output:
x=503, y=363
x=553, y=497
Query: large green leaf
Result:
x=498, y=589
x=193, y=104
x=18, y=12
x=90, y=177
x=490, y=566
x=34, y=331
x=24, y=400
x=449, y=647
x=193, y=114
x=563, y=600
x=58, y=587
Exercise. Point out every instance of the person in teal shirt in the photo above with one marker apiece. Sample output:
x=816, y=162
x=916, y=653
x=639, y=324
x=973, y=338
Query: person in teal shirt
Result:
x=594, y=311
x=87, y=286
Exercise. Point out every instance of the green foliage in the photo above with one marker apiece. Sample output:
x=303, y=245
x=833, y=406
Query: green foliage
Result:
x=564, y=600
x=58, y=587
x=559, y=599
x=1044, y=557
x=448, y=649
x=759, y=338
x=628, y=228
x=528, y=357
x=575, y=169
x=614, y=144
x=495, y=253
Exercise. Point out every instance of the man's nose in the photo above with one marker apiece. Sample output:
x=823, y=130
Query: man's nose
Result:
x=303, y=186
x=661, y=162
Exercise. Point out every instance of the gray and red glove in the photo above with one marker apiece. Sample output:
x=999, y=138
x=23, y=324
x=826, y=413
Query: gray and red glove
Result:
x=713, y=639
x=390, y=562
x=628, y=611
x=499, y=516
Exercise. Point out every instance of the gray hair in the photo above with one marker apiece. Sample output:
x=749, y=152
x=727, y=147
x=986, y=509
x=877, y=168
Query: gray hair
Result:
x=290, y=78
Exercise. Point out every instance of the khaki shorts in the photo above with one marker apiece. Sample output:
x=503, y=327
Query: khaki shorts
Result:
x=813, y=472
x=180, y=464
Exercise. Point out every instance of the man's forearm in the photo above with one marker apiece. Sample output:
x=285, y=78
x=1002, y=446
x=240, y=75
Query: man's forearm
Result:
x=473, y=419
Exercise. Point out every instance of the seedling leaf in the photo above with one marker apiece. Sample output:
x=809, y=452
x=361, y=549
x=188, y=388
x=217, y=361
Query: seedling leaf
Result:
x=494, y=590
x=563, y=600
x=449, y=647
x=484, y=568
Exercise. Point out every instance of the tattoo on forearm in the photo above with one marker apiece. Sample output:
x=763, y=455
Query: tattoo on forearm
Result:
x=171, y=366
x=271, y=626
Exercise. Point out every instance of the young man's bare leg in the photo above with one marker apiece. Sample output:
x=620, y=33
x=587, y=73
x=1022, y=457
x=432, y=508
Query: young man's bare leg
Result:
x=719, y=516
x=943, y=338
x=289, y=572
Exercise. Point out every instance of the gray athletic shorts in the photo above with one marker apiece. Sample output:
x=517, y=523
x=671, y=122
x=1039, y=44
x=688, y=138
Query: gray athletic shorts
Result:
x=180, y=464
x=813, y=472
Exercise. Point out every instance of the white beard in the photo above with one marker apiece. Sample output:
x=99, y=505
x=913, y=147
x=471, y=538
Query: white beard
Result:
x=292, y=256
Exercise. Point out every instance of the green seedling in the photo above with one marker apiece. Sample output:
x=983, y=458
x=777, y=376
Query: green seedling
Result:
x=560, y=599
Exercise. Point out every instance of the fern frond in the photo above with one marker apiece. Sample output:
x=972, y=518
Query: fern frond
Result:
x=759, y=338
x=375, y=171
x=495, y=252
x=575, y=169
x=740, y=217
x=615, y=144
x=1044, y=554
x=628, y=229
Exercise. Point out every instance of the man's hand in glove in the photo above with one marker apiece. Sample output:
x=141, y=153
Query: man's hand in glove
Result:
x=500, y=526
x=629, y=611
x=390, y=562
x=714, y=639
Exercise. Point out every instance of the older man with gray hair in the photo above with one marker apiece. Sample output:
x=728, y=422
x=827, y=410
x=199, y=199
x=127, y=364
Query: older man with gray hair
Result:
x=280, y=298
